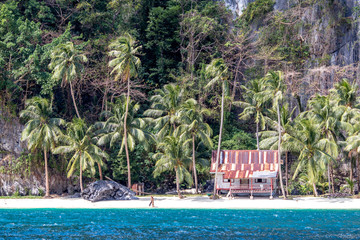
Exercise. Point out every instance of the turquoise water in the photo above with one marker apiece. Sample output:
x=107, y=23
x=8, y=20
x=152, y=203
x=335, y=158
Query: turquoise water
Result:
x=178, y=224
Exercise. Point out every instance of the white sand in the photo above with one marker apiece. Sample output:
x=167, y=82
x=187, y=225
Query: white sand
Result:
x=190, y=202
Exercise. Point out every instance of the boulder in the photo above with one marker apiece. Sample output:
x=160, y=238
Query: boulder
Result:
x=107, y=190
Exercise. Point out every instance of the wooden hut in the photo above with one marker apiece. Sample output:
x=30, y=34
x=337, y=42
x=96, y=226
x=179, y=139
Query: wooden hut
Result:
x=246, y=171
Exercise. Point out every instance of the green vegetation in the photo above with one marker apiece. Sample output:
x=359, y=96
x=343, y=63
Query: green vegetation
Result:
x=156, y=85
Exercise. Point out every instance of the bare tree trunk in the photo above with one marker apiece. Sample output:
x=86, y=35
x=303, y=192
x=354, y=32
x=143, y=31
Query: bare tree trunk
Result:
x=125, y=133
x=358, y=172
x=100, y=172
x=81, y=182
x=286, y=173
x=220, y=134
x=315, y=190
x=279, y=153
x=257, y=136
x=73, y=98
x=194, y=165
x=177, y=183
x=329, y=178
x=47, y=187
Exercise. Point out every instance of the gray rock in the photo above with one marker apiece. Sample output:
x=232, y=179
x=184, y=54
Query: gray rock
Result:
x=107, y=190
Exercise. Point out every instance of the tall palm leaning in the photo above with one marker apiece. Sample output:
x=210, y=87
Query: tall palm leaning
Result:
x=270, y=137
x=253, y=106
x=274, y=89
x=41, y=130
x=192, y=117
x=79, y=142
x=165, y=107
x=66, y=64
x=125, y=65
x=219, y=74
x=174, y=155
x=114, y=131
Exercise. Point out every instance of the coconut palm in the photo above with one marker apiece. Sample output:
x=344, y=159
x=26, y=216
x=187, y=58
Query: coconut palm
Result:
x=174, y=155
x=79, y=142
x=270, y=138
x=114, y=129
x=125, y=65
x=164, y=109
x=41, y=129
x=219, y=74
x=192, y=117
x=306, y=139
x=328, y=115
x=66, y=64
x=253, y=106
x=274, y=89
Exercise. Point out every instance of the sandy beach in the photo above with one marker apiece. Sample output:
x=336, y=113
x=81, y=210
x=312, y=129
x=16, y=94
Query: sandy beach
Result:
x=189, y=203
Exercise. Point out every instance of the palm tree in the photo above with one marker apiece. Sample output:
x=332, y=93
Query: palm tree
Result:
x=253, y=106
x=328, y=115
x=274, y=88
x=126, y=65
x=192, y=117
x=66, y=64
x=218, y=72
x=114, y=129
x=270, y=138
x=165, y=107
x=174, y=154
x=79, y=142
x=307, y=140
x=41, y=129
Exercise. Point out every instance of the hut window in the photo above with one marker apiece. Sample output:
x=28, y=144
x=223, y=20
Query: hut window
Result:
x=260, y=180
x=244, y=181
x=226, y=180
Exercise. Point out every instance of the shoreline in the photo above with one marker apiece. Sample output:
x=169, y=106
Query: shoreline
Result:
x=310, y=203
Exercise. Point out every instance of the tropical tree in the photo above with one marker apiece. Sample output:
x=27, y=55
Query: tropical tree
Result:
x=114, y=130
x=79, y=142
x=253, y=105
x=66, y=64
x=270, y=137
x=274, y=89
x=174, y=155
x=125, y=65
x=165, y=107
x=192, y=117
x=41, y=129
x=219, y=74
x=307, y=141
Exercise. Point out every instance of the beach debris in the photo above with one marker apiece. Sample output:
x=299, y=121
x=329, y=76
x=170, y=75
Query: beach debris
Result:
x=107, y=190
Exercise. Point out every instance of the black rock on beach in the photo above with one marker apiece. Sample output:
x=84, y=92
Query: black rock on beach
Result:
x=107, y=190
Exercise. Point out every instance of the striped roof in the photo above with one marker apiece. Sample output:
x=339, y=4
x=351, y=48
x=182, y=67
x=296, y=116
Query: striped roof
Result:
x=243, y=163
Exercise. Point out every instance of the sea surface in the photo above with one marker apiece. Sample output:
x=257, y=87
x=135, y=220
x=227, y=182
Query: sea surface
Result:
x=178, y=224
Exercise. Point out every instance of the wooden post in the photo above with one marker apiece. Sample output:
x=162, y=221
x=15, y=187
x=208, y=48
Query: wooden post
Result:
x=271, y=189
x=251, y=192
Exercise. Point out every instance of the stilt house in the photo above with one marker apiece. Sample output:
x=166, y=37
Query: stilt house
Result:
x=246, y=171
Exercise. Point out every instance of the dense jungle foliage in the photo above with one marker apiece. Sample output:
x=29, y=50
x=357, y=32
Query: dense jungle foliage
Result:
x=136, y=91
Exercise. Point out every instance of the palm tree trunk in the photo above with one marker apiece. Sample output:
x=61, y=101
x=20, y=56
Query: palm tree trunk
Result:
x=220, y=134
x=286, y=173
x=351, y=171
x=315, y=190
x=358, y=172
x=73, y=98
x=125, y=132
x=279, y=153
x=329, y=178
x=177, y=182
x=81, y=183
x=257, y=136
x=194, y=165
x=47, y=187
x=100, y=172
